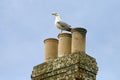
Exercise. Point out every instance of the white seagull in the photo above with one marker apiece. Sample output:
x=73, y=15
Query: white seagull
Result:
x=60, y=24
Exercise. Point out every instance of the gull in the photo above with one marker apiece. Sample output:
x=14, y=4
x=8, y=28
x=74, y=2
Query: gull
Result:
x=61, y=24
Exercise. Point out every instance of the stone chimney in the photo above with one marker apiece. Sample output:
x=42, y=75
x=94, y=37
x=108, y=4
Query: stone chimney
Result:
x=50, y=49
x=64, y=46
x=78, y=40
x=77, y=66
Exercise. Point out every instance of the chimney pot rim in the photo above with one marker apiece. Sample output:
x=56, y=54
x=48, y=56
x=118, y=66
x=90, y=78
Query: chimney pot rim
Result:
x=55, y=39
x=64, y=34
x=80, y=29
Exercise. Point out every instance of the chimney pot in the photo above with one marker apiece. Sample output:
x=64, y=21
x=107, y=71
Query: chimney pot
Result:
x=78, y=39
x=64, y=45
x=50, y=48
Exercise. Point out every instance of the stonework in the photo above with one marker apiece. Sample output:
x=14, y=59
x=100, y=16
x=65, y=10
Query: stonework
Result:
x=66, y=58
x=76, y=66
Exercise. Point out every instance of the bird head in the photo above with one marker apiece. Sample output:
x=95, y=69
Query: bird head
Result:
x=55, y=14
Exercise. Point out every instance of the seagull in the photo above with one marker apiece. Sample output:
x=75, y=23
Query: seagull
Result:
x=61, y=24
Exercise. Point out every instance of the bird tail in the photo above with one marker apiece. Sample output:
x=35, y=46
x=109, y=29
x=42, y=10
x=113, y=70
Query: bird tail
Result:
x=69, y=29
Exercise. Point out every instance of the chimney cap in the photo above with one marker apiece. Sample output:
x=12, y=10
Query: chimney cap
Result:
x=80, y=29
x=52, y=39
x=64, y=34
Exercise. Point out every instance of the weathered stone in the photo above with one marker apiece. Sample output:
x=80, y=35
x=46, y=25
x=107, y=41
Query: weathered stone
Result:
x=77, y=66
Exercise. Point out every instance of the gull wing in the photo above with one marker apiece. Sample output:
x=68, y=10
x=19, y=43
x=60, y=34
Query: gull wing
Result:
x=63, y=24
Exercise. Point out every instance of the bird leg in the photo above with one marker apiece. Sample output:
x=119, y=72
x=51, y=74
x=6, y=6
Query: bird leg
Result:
x=61, y=31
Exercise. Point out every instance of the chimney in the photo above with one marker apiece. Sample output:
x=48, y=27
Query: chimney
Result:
x=76, y=66
x=64, y=46
x=78, y=40
x=50, y=49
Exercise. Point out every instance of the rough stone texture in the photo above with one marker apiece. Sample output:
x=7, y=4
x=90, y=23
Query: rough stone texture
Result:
x=76, y=66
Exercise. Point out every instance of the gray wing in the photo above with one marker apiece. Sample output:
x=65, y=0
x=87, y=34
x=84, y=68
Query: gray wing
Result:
x=63, y=24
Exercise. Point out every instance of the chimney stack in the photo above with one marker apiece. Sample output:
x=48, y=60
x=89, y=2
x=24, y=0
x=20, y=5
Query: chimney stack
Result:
x=50, y=48
x=78, y=40
x=64, y=45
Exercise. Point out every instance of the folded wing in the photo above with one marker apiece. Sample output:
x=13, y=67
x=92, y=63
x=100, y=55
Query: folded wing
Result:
x=64, y=25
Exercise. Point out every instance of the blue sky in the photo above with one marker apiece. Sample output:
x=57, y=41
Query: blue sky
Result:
x=24, y=24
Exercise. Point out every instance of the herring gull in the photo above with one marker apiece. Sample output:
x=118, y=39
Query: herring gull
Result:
x=61, y=24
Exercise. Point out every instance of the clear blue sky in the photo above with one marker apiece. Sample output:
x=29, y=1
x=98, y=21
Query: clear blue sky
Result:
x=24, y=24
